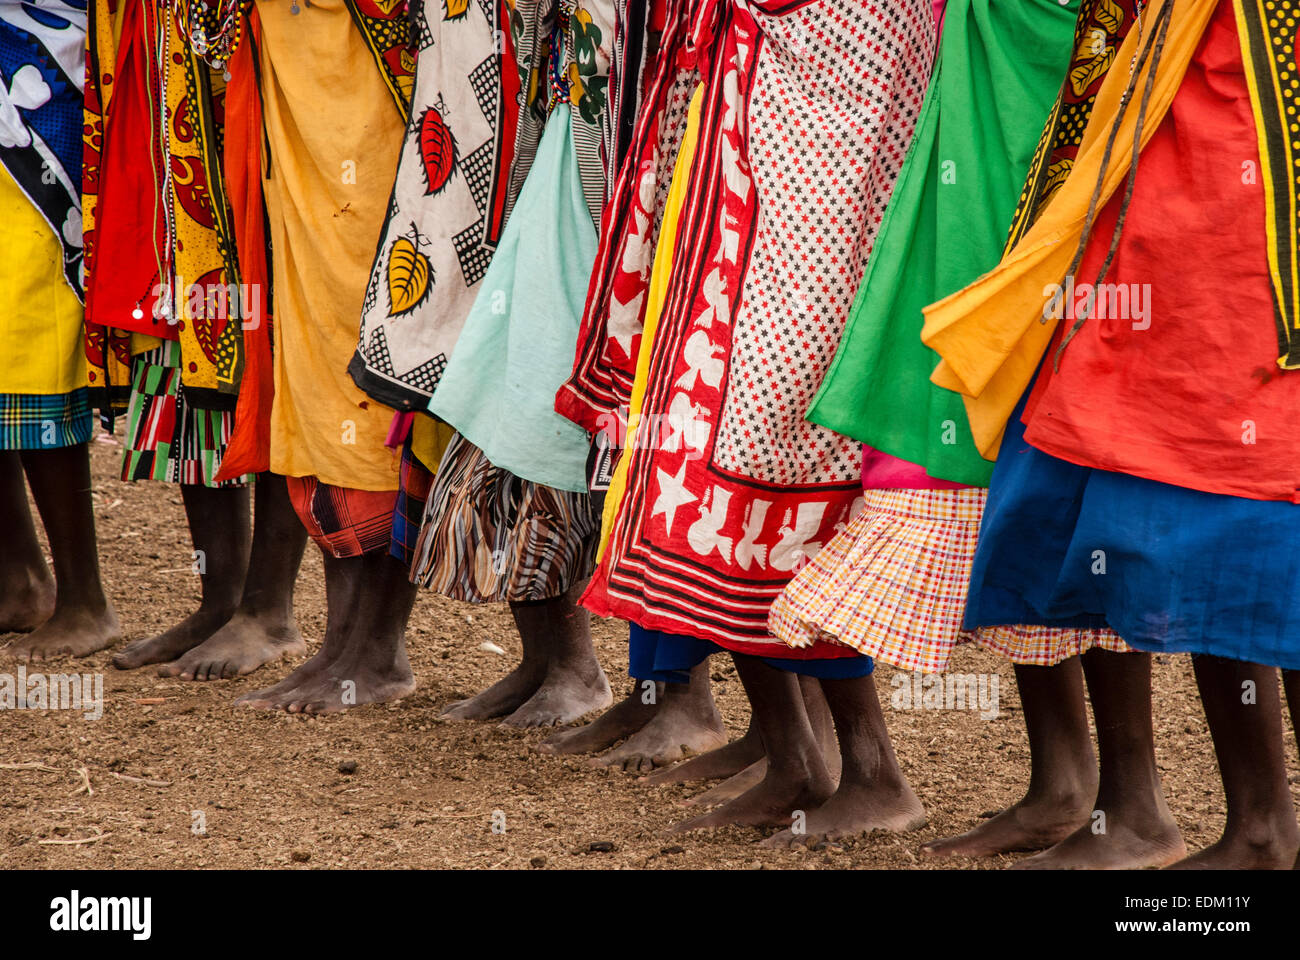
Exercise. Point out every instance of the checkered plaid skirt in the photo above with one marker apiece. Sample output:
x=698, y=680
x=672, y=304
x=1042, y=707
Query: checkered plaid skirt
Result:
x=30, y=421
x=892, y=585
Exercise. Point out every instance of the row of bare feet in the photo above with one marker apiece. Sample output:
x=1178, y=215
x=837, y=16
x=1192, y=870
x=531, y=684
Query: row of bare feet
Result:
x=666, y=734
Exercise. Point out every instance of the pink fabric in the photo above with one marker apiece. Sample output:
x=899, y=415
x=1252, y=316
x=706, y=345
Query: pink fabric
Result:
x=399, y=429
x=880, y=471
x=938, y=14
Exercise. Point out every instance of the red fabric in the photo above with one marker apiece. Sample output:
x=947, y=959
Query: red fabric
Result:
x=1180, y=401
x=129, y=214
x=249, y=450
x=343, y=521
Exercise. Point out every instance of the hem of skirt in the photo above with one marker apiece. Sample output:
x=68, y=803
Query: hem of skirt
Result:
x=385, y=391
x=810, y=633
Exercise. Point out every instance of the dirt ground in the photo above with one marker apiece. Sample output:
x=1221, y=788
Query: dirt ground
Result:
x=269, y=790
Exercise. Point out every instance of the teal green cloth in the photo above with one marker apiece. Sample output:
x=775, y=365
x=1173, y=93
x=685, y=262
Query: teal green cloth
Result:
x=998, y=73
x=517, y=346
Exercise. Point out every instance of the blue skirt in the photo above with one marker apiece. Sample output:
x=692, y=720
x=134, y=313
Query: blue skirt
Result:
x=1171, y=570
x=670, y=657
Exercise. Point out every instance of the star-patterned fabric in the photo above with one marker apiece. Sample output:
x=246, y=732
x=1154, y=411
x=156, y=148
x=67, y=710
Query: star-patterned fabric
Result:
x=809, y=110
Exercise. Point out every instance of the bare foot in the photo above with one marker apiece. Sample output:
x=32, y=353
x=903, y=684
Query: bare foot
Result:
x=1272, y=849
x=617, y=723
x=773, y=802
x=1027, y=825
x=565, y=695
x=726, y=761
x=238, y=648
x=674, y=733
x=732, y=787
x=26, y=605
x=331, y=687
x=76, y=633
x=855, y=810
x=505, y=696
x=173, y=642
x=1119, y=848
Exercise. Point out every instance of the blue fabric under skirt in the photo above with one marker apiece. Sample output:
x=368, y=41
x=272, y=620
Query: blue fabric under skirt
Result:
x=1172, y=570
x=670, y=657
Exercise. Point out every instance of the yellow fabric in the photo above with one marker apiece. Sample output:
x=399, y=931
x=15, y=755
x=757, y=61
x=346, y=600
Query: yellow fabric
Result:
x=197, y=253
x=429, y=440
x=334, y=141
x=40, y=316
x=991, y=335
x=662, y=267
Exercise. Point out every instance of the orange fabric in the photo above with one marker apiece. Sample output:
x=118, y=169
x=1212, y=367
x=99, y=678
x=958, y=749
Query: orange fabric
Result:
x=1195, y=398
x=249, y=450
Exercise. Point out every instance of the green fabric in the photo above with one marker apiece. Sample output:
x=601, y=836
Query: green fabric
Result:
x=998, y=73
x=517, y=346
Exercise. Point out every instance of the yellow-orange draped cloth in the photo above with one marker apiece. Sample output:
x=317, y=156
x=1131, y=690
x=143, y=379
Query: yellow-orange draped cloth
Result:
x=334, y=135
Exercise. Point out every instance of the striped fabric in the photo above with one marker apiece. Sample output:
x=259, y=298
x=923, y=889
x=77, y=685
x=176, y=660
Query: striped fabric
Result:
x=489, y=536
x=166, y=438
x=893, y=585
x=30, y=421
x=343, y=521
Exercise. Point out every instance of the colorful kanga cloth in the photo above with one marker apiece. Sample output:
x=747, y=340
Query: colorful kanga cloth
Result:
x=520, y=334
x=806, y=120
x=517, y=345
x=326, y=187
x=44, y=403
x=154, y=117
x=598, y=391
x=166, y=437
x=42, y=72
x=461, y=165
x=1192, y=267
x=519, y=341
x=1169, y=567
x=665, y=246
x=998, y=71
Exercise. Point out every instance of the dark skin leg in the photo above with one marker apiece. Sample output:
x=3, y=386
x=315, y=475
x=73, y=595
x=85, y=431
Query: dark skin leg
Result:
x=26, y=587
x=660, y=725
x=1260, y=833
x=510, y=692
x=823, y=726
x=559, y=679
x=796, y=777
x=574, y=684
x=262, y=629
x=363, y=659
x=83, y=620
x=219, y=530
x=1138, y=829
x=720, y=764
x=1062, y=774
x=873, y=794
x=686, y=722
x=1291, y=683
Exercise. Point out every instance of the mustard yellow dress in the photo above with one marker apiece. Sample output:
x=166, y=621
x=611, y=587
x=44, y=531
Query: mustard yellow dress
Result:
x=334, y=135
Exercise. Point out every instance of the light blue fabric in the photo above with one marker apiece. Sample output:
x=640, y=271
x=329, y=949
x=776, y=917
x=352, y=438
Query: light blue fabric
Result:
x=517, y=347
